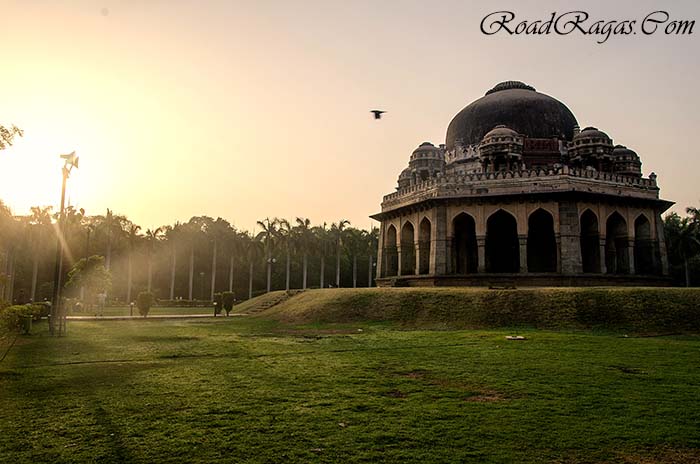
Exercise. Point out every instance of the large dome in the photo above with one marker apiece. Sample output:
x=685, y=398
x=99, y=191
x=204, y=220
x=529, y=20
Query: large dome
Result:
x=517, y=106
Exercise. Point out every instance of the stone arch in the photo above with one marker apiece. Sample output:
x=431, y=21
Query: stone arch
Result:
x=541, y=243
x=616, y=245
x=502, y=246
x=391, y=252
x=424, y=237
x=590, y=242
x=643, y=246
x=408, y=249
x=464, y=247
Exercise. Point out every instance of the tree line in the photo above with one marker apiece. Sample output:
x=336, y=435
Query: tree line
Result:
x=683, y=245
x=190, y=261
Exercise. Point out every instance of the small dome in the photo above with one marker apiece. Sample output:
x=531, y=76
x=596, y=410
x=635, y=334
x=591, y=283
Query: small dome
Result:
x=405, y=174
x=426, y=146
x=501, y=131
x=622, y=151
x=591, y=133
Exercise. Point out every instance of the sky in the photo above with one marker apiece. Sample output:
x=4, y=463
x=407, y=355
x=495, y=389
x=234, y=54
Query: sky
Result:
x=255, y=109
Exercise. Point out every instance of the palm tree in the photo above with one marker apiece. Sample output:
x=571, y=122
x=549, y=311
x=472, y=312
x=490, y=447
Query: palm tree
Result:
x=9, y=235
x=133, y=237
x=304, y=239
x=372, y=242
x=218, y=231
x=172, y=234
x=253, y=248
x=323, y=242
x=113, y=227
x=193, y=231
x=153, y=237
x=353, y=242
x=234, y=244
x=39, y=222
x=268, y=237
x=684, y=239
x=286, y=237
x=8, y=134
x=337, y=232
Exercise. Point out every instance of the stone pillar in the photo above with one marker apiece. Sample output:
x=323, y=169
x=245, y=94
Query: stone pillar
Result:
x=603, y=267
x=381, y=267
x=570, y=233
x=630, y=256
x=481, y=253
x=522, y=239
x=661, y=237
x=439, y=245
x=398, y=254
x=417, y=253
x=557, y=238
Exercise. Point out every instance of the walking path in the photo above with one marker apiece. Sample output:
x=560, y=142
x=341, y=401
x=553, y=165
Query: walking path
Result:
x=155, y=316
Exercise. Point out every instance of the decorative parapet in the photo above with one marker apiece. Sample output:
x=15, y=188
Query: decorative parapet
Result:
x=550, y=180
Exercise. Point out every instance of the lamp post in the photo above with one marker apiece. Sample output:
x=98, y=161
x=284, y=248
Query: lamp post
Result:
x=57, y=312
x=201, y=286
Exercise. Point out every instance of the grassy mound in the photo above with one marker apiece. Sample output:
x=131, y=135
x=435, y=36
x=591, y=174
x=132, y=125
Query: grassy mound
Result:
x=636, y=309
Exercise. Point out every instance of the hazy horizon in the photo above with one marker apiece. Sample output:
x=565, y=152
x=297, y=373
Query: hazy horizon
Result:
x=247, y=110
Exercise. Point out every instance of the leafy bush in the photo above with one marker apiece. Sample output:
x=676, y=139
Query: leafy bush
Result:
x=227, y=300
x=11, y=317
x=144, y=302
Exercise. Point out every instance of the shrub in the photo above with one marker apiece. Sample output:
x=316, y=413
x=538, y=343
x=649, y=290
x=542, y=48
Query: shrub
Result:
x=227, y=300
x=144, y=302
x=11, y=317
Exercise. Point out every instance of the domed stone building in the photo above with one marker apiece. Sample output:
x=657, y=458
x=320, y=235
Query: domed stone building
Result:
x=518, y=193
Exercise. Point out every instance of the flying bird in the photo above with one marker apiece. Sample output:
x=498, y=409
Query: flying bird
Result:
x=377, y=113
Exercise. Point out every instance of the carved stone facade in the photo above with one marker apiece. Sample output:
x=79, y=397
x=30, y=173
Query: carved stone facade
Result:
x=521, y=202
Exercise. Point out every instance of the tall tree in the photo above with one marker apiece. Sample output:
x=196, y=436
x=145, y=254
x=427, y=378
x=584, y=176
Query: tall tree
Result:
x=286, y=238
x=153, y=237
x=354, y=244
x=304, y=239
x=322, y=239
x=112, y=226
x=7, y=135
x=234, y=245
x=218, y=231
x=172, y=235
x=684, y=239
x=372, y=241
x=40, y=224
x=337, y=232
x=133, y=237
x=268, y=236
x=253, y=249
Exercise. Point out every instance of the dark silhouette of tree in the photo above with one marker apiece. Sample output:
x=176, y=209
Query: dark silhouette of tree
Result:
x=7, y=136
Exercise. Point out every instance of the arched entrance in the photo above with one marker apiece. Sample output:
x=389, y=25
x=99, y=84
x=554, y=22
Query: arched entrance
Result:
x=408, y=250
x=541, y=244
x=643, y=246
x=590, y=242
x=502, y=247
x=464, y=248
x=424, y=246
x=391, y=253
x=616, y=245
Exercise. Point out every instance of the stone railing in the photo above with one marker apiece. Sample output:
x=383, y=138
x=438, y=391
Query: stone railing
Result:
x=476, y=182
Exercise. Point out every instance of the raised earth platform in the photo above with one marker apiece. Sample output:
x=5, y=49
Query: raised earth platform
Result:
x=524, y=280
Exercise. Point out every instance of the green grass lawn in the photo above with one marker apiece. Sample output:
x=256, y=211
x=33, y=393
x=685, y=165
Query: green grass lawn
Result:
x=251, y=390
x=156, y=310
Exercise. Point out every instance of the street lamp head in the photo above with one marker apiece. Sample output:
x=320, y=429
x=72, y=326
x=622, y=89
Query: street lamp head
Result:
x=71, y=159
